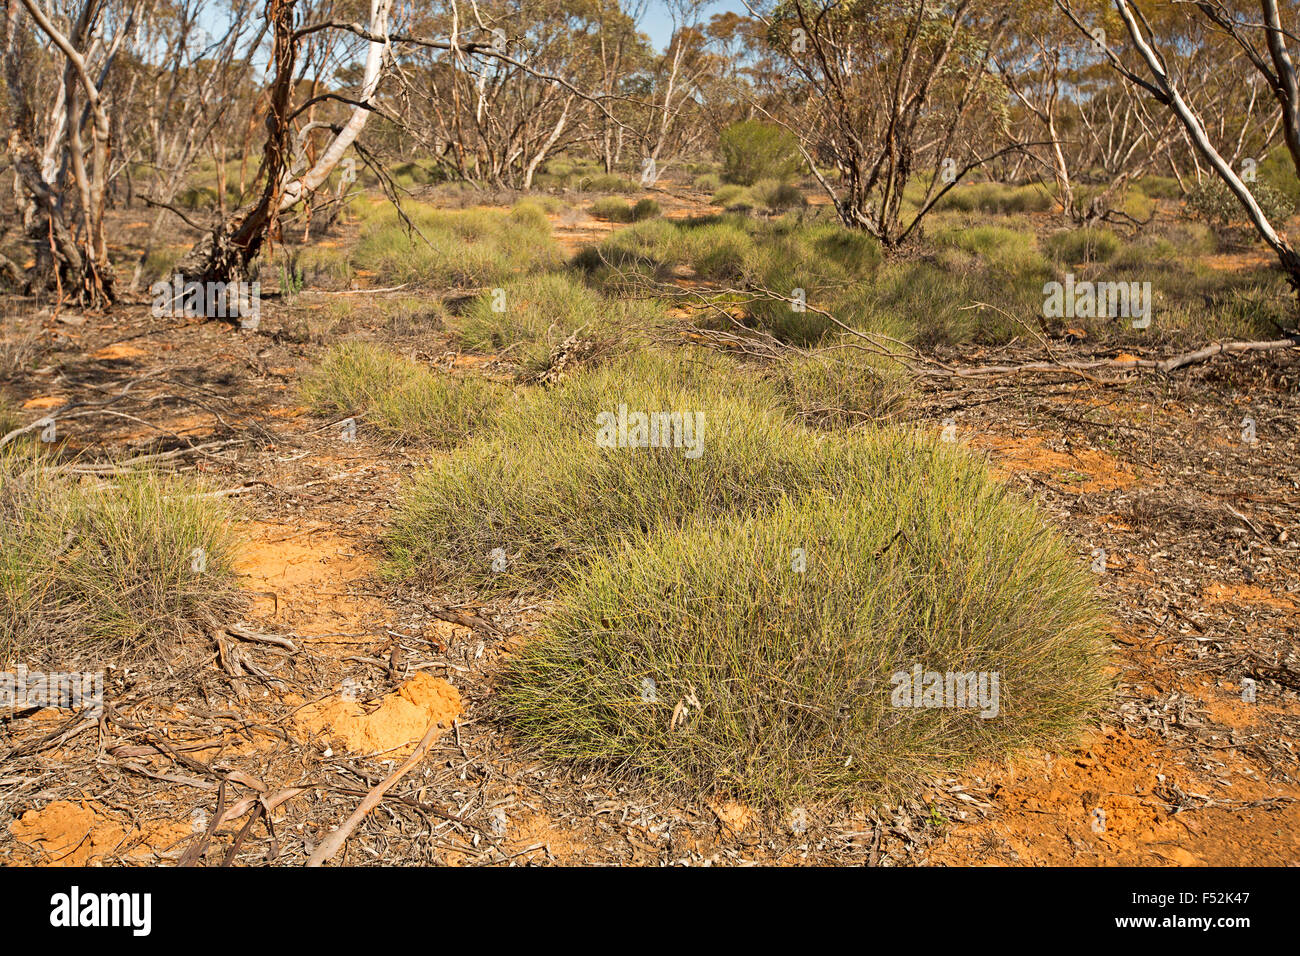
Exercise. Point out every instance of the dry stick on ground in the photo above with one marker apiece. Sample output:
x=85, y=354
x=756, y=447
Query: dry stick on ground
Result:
x=335, y=840
x=244, y=633
x=59, y=736
x=117, y=468
x=61, y=414
x=1166, y=365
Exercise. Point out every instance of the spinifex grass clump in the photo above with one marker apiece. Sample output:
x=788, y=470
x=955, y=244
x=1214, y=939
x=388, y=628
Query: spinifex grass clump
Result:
x=94, y=571
x=997, y=199
x=525, y=320
x=647, y=251
x=843, y=390
x=449, y=248
x=757, y=656
x=8, y=415
x=538, y=494
x=403, y=400
x=1089, y=244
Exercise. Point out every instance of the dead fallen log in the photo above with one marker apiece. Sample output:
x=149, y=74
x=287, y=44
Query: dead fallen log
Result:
x=1164, y=366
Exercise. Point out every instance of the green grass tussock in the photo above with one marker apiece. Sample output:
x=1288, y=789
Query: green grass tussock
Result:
x=701, y=658
x=607, y=183
x=455, y=248
x=404, y=400
x=844, y=391
x=542, y=312
x=996, y=199
x=539, y=487
x=99, y=572
x=619, y=210
x=1089, y=244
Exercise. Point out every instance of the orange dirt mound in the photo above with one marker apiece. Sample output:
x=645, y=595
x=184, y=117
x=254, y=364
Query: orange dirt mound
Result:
x=69, y=834
x=119, y=351
x=397, y=724
x=45, y=401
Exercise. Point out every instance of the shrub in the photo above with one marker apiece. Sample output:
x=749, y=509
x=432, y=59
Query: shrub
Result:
x=703, y=658
x=1278, y=171
x=1089, y=244
x=617, y=210
x=105, y=571
x=754, y=150
x=403, y=400
x=1212, y=201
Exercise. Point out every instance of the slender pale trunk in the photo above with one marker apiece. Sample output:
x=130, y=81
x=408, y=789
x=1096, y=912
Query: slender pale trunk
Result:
x=294, y=190
x=545, y=149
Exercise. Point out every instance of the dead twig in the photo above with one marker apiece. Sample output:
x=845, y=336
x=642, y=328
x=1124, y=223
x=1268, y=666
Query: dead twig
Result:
x=336, y=838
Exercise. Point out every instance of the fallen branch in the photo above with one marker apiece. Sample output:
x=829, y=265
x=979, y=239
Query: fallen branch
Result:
x=120, y=467
x=1166, y=365
x=926, y=366
x=471, y=621
x=391, y=288
x=336, y=838
x=244, y=633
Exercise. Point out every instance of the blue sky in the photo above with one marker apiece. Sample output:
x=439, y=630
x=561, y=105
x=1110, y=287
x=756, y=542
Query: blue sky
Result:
x=655, y=22
x=659, y=25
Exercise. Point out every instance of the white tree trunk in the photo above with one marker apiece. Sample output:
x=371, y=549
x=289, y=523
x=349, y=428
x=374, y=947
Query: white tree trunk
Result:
x=295, y=189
